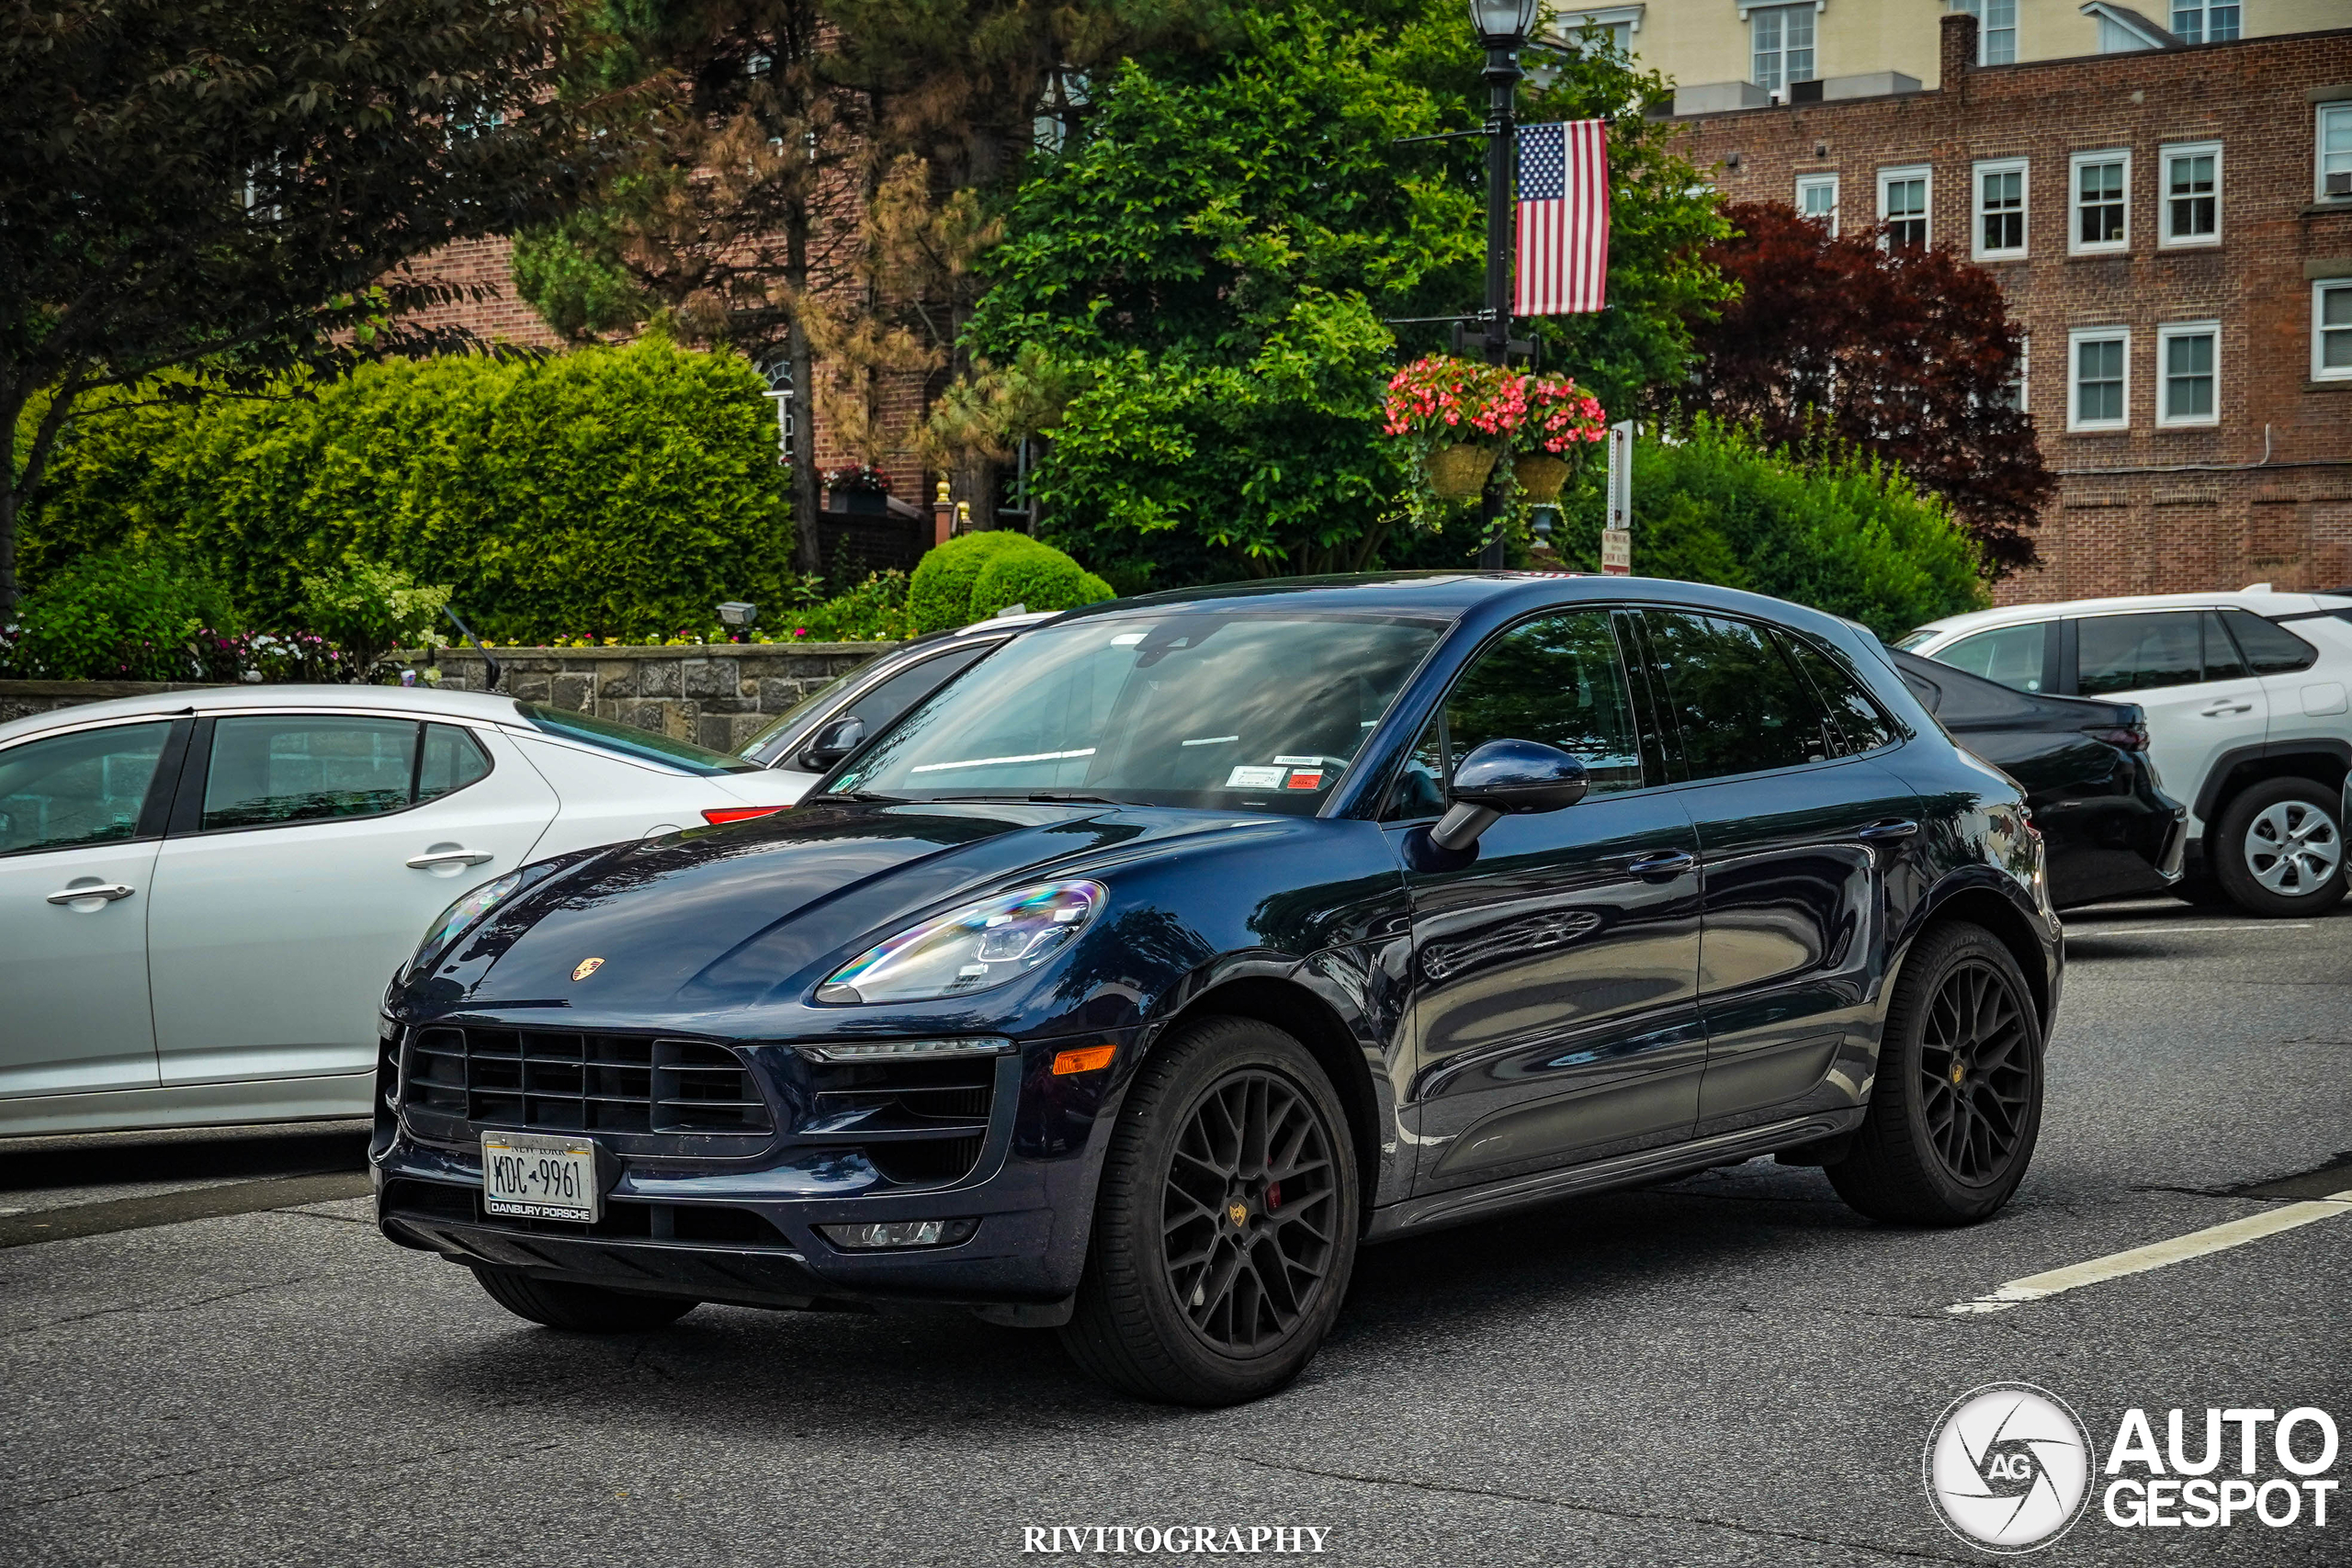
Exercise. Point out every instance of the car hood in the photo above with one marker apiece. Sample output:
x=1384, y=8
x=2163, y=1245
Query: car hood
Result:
x=742, y=916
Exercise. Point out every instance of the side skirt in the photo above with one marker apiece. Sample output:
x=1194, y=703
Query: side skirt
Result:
x=1418, y=1214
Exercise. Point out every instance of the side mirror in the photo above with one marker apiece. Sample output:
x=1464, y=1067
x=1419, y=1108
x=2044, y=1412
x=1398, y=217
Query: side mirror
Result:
x=1506, y=778
x=832, y=743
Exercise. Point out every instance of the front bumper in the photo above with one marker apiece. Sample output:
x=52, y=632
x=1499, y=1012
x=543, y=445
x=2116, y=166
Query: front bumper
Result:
x=741, y=1226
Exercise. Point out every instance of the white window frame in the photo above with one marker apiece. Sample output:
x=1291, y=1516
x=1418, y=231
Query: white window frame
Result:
x=1747, y=14
x=2075, y=339
x=2020, y=167
x=2165, y=334
x=2076, y=245
x=2023, y=379
x=2165, y=239
x=2319, y=147
x=1984, y=31
x=2320, y=291
x=1566, y=25
x=2204, y=9
x=1813, y=182
x=1925, y=174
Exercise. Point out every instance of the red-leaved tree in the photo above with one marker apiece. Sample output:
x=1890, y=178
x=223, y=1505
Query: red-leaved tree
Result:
x=1907, y=353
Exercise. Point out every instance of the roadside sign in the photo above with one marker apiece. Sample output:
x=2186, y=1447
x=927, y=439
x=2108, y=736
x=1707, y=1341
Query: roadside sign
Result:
x=1617, y=552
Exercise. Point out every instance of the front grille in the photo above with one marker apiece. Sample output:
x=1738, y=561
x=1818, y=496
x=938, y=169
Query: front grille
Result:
x=582, y=1083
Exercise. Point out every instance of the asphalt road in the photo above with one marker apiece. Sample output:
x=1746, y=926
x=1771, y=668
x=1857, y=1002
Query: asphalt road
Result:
x=1733, y=1368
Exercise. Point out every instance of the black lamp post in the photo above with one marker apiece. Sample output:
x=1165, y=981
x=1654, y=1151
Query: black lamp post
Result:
x=1502, y=26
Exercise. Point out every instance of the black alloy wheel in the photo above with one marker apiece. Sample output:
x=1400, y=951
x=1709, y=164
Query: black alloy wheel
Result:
x=1225, y=1224
x=1975, y=1072
x=1956, y=1104
x=1246, y=1232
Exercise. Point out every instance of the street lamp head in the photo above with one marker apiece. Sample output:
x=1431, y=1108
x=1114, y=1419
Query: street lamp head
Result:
x=1504, y=24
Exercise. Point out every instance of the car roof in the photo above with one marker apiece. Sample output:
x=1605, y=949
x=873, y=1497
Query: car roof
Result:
x=2261, y=600
x=419, y=701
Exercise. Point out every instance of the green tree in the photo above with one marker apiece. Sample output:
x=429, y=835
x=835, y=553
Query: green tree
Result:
x=1206, y=267
x=203, y=196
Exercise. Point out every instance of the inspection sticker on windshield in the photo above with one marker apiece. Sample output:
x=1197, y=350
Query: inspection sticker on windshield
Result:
x=534, y=1177
x=1305, y=778
x=1255, y=778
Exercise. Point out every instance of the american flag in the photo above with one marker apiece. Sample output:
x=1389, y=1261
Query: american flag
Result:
x=1562, y=217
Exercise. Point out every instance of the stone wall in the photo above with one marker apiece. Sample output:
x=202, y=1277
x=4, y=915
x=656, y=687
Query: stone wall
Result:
x=718, y=696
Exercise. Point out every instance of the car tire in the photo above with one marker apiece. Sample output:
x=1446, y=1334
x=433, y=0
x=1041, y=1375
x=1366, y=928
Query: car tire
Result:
x=581, y=1309
x=2292, y=813
x=1240, y=1106
x=1956, y=1105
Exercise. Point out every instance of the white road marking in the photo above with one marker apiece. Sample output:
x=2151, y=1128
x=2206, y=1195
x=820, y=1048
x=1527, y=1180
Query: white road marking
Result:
x=2158, y=1255
x=2249, y=927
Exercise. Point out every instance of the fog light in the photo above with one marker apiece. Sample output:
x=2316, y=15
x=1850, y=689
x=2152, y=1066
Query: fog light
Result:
x=894, y=1234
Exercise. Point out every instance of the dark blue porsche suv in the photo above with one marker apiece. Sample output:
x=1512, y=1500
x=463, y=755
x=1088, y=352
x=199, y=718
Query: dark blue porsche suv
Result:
x=1187, y=943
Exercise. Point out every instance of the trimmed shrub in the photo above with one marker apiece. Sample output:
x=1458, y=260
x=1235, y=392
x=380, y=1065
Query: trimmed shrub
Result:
x=115, y=616
x=1042, y=579
x=608, y=492
x=973, y=576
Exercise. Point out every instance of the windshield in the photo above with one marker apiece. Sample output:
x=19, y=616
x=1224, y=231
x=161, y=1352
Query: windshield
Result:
x=642, y=745
x=1201, y=708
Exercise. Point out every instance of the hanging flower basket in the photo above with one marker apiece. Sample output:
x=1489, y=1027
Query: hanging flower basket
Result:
x=1541, y=475
x=1458, y=472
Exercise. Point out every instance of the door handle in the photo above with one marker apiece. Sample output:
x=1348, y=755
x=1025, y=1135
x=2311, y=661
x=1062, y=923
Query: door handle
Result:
x=1893, y=827
x=1662, y=868
x=2220, y=708
x=448, y=857
x=109, y=891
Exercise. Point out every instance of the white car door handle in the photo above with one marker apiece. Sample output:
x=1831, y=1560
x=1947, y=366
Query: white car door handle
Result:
x=447, y=857
x=2218, y=709
x=109, y=891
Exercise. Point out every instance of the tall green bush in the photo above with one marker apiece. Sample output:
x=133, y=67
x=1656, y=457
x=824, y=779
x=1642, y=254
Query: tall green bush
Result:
x=1825, y=527
x=608, y=492
x=115, y=616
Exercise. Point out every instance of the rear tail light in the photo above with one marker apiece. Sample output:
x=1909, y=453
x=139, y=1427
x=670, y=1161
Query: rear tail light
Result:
x=2129, y=736
x=719, y=813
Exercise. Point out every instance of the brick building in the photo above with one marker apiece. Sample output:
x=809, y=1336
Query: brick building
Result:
x=2164, y=227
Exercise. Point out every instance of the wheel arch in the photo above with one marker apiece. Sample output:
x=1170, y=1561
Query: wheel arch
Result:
x=2323, y=762
x=1976, y=904
x=1297, y=1009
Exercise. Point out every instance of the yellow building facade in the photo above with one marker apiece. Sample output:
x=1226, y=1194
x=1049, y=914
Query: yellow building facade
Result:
x=1833, y=48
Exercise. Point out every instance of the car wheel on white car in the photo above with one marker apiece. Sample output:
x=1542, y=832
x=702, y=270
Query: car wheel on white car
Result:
x=2279, y=849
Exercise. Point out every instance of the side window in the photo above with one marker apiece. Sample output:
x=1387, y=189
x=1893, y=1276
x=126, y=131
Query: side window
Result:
x=1740, y=705
x=1859, y=720
x=2271, y=649
x=881, y=706
x=2140, y=653
x=83, y=788
x=2011, y=655
x=453, y=759
x=268, y=769
x=2223, y=662
x=1558, y=680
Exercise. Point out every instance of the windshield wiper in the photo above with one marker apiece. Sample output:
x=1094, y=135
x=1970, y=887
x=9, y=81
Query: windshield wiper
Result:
x=1039, y=798
x=862, y=794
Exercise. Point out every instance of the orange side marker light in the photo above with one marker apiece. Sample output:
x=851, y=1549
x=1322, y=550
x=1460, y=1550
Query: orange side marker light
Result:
x=1085, y=1059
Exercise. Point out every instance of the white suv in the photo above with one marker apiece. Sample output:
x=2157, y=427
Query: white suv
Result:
x=2247, y=720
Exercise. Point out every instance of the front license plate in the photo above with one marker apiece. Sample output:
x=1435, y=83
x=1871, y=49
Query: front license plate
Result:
x=534, y=1177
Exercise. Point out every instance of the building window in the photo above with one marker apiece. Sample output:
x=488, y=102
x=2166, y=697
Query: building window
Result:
x=1903, y=208
x=1783, y=38
x=2013, y=390
x=2334, y=151
x=2193, y=194
x=2000, y=210
x=2205, y=21
x=2102, y=201
x=2102, y=378
x=1817, y=199
x=2332, y=330
x=2188, y=366
x=1616, y=25
x=1997, y=29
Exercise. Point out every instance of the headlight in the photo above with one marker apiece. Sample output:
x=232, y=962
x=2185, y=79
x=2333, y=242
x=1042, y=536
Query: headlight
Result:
x=459, y=918
x=978, y=946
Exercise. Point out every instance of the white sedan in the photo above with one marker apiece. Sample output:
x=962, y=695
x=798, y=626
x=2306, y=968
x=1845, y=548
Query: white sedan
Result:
x=203, y=893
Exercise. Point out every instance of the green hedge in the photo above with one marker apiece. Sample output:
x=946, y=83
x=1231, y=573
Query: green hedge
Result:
x=1828, y=529
x=608, y=492
x=973, y=576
